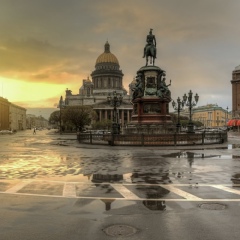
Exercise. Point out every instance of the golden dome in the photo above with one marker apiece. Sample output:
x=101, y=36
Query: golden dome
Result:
x=107, y=56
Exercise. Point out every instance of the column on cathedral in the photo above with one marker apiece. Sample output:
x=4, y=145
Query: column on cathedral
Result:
x=100, y=115
x=106, y=111
x=119, y=116
x=122, y=117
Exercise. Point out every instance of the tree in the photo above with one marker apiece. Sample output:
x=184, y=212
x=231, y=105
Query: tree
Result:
x=174, y=118
x=78, y=116
x=184, y=120
x=104, y=124
x=54, y=117
x=198, y=123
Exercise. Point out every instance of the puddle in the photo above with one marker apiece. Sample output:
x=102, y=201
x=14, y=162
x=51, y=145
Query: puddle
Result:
x=151, y=192
x=184, y=154
x=151, y=178
x=192, y=155
x=101, y=205
x=99, y=178
x=230, y=146
x=155, y=205
x=100, y=190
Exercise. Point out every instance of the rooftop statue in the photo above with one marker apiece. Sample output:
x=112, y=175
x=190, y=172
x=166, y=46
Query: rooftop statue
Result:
x=150, y=49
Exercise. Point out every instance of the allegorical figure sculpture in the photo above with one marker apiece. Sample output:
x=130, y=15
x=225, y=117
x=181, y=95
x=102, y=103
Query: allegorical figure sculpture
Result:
x=163, y=90
x=138, y=89
x=150, y=49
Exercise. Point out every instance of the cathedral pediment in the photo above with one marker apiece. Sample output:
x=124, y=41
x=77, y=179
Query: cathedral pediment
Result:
x=105, y=104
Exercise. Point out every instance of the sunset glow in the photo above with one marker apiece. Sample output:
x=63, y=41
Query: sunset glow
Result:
x=20, y=91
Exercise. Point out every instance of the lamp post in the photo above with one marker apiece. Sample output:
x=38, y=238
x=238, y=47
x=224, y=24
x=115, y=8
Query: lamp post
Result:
x=188, y=101
x=60, y=105
x=115, y=101
x=227, y=116
x=178, y=106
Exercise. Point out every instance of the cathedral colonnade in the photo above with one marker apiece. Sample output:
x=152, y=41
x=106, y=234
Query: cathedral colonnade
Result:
x=123, y=115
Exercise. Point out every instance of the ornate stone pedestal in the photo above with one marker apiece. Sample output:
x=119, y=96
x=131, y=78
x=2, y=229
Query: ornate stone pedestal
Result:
x=150, y=110
x=150, y=101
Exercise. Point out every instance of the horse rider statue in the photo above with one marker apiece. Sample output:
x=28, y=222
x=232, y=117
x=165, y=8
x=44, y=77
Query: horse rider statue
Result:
x=150, y=49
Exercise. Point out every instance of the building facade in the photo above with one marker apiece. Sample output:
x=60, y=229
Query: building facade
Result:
x=17, y=117
x=106, y=78
x=211, y=115
x=4, y=114
x=12, y=116
x=33, y=121
x=236, y=92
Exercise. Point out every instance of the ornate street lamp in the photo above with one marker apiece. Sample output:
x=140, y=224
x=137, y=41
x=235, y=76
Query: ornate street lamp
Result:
x=227, y=116
x=178, y=106
x=61, y=105
x=188, y=101
x=115, y=101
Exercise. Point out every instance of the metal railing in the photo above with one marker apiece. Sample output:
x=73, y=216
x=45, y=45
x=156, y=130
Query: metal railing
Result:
x=171, y=139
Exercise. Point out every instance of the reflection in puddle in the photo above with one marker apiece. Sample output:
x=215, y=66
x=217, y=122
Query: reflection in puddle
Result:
x=111, y=204
x=153, y=191
x=189, y=155
x=100, y=190
x=107, y=203
x=99, y=178
x=101, y=205
x=155, y=205
x=192, y=155
x=37, y=165
x=150, y=177
x=236, y=179
x=149, y=191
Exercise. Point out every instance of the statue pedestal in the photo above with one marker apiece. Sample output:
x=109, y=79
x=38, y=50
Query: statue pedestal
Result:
x=151, y=110
x=150, y=116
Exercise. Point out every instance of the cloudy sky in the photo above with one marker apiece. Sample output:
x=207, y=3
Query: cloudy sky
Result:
x=47, y=46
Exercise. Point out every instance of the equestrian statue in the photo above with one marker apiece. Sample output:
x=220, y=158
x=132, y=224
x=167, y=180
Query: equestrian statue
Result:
x=150, y=49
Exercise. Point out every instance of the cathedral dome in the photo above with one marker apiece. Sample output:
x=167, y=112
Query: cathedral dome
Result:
x=107, y=56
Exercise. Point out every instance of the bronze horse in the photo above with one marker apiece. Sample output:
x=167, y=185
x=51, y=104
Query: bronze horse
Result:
x=150, y=52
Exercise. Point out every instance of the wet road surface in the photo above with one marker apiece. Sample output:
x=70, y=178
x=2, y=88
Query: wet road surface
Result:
x=51, y=187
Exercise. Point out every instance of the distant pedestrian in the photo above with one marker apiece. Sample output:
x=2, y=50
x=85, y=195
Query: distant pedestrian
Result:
x=34, y=131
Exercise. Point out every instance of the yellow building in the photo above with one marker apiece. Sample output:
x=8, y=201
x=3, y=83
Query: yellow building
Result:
x=12, y=117
x=17, y=119
x=4, y=114
x=211, y=115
